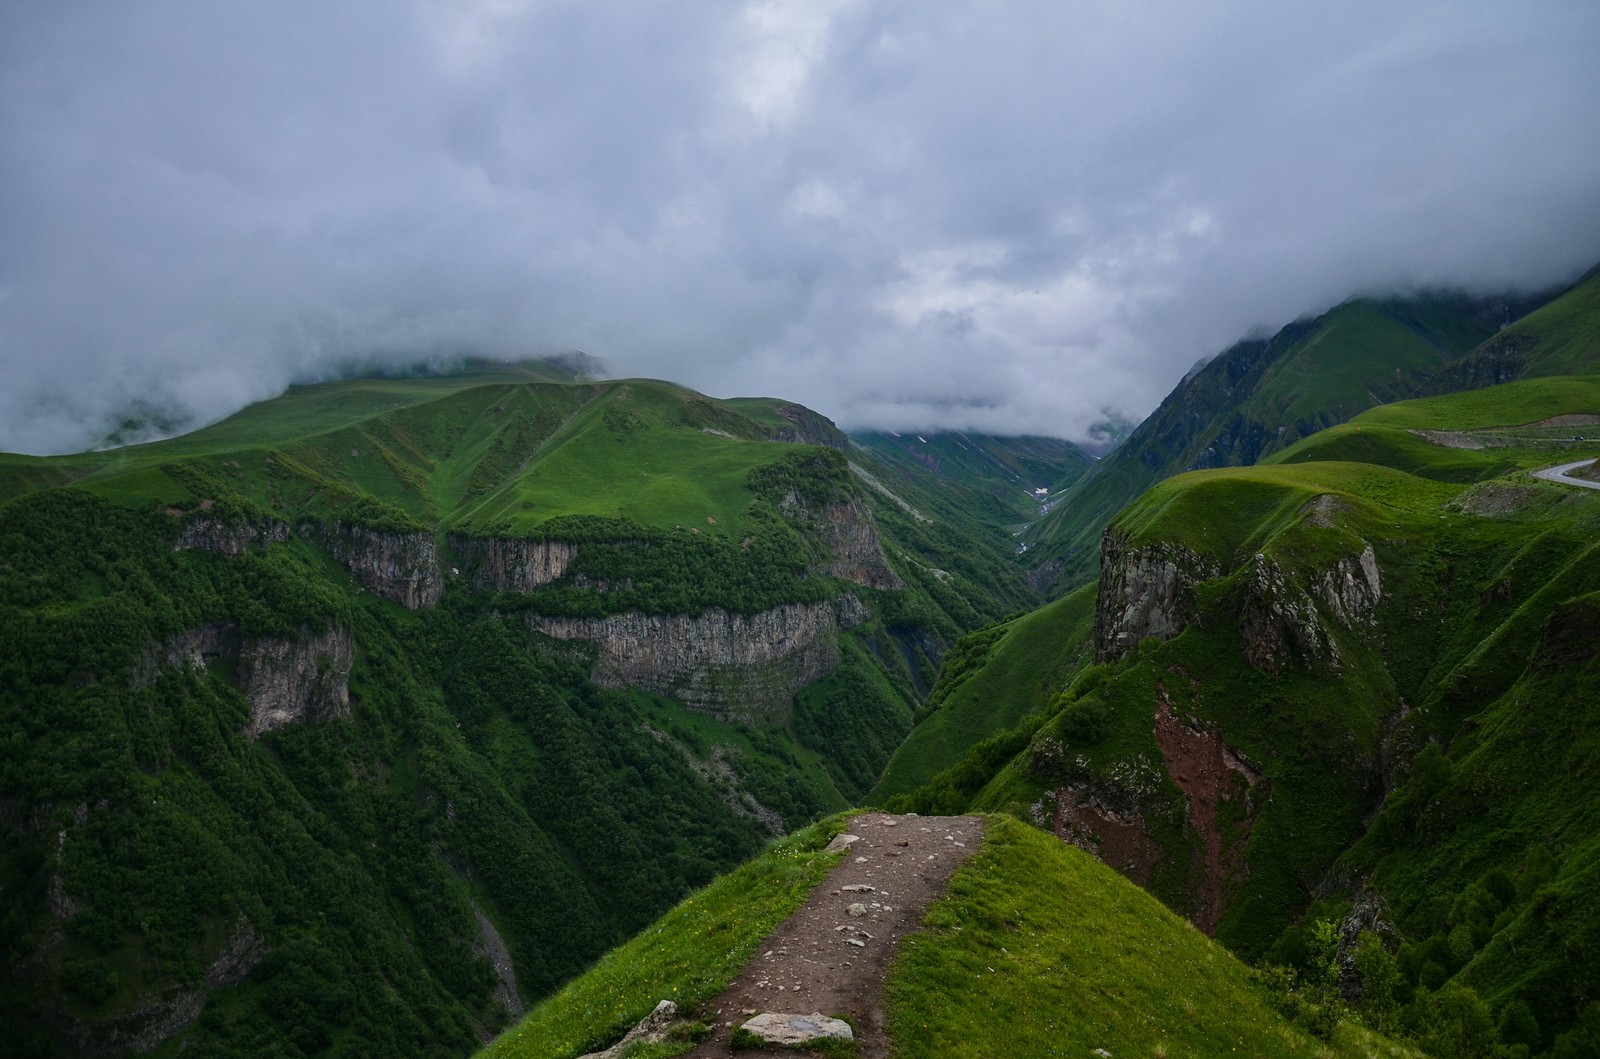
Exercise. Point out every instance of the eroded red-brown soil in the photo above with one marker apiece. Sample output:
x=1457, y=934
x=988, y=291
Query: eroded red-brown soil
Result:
x=1208, y=772
x=822, y=958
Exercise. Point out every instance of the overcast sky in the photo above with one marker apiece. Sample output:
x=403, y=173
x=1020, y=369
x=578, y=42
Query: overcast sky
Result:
x=997, y=216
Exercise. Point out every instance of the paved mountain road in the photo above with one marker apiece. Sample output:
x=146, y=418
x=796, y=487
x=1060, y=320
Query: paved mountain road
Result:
x=1563, y=473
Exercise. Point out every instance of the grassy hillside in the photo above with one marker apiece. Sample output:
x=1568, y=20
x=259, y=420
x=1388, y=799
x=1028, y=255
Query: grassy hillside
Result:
x=1263, y=396
x=990, y=681
x=1008, y=470
x=1035, y=949
x=1424, y=745
x=467, y=798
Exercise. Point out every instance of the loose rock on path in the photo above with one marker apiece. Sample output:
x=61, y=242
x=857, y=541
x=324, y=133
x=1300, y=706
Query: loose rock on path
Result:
x=831, y=955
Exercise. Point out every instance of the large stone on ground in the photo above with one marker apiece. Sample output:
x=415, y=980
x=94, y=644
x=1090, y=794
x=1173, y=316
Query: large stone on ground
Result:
x=796, y=1031
x=652, y=1029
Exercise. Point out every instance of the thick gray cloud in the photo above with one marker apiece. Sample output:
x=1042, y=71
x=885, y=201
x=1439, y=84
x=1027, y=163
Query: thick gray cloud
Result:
x=994, y=216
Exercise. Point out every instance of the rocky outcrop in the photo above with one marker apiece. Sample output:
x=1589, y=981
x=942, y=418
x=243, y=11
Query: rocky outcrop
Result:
x=492, y=947
x=193, y=648
x=1145, y=590
x=212, y=534
x=652, y=1029
x=296, y=681
x=731, y=666
x=1282, y=624
x=402, y=566
x=851, y=539
x=1352, y=588
x=511, y=564
x=287, y=680
x=808, y=428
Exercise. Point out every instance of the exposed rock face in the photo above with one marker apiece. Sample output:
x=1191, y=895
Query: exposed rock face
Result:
x=287, y=681
x=1352, y=588
x=1079, y=817
x=851, y=538
x=1282, y=623
x=809, y=428
x=296, y=681
x=732, y=666
x=1369, y=914
x=195, y=648
x=492, y=947
x=1144, y=591
x=513, y=564
x=209, y=533
x=403, y=567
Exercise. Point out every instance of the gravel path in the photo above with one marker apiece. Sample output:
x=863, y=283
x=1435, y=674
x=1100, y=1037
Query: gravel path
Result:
x=1563, y=474
x=823, y=958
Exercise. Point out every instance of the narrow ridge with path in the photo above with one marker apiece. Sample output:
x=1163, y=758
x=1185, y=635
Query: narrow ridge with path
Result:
x=832, y=954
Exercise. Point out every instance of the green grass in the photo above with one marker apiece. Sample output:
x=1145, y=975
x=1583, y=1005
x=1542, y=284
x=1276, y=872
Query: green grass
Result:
x=496, y=451
x=763, y=410
x=1229, y=512
x=1037, y=949
x=1508, y=405
x=1026, y=667
x=689, y=956
x=1565, y=332
x=1333, y=371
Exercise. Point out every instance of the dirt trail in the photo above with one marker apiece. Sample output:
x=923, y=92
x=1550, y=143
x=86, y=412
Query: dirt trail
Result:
x=822, y=958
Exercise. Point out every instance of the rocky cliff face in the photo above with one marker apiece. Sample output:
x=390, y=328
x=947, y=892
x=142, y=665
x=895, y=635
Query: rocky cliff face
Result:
x=297, y=680
x=209, y=533
x=848, y=535
x=512, y=564
x=732, y=666
x=809, y=428
x=1351, y=589
x=1281, y=622
x=851, y=538
x=403, y=567
x=1144, y=591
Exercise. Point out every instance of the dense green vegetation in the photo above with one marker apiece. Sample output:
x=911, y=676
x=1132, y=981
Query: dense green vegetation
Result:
x=1035, y=949
x=985, y=688
x=352, y=873
x=689, y=956
x=1262, y=396
x=1434, y=751
x=1007, y=470
x=475, y=773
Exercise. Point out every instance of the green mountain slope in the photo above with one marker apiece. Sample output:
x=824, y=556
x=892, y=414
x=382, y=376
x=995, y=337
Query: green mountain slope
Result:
x=1033, y=944
x=1008, y=470
x=1261, y=396
x=1355, y=681
x=324, y=721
